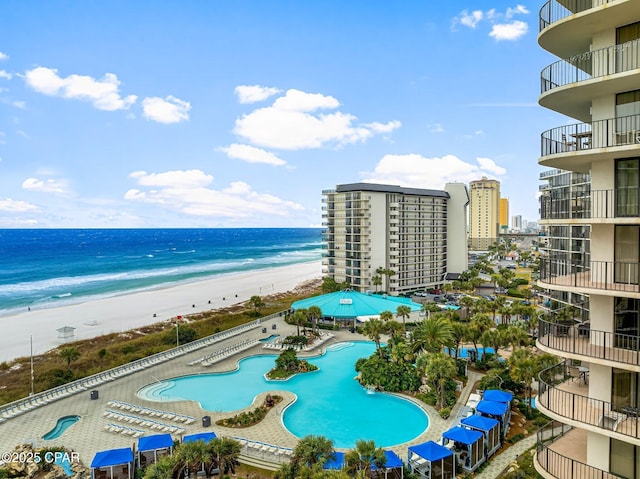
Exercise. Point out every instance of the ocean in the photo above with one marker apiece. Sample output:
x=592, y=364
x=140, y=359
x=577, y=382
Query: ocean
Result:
x=54, y=267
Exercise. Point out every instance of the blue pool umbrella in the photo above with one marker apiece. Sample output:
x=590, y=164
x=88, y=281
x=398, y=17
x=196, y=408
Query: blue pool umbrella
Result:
x=393, y=461
x=431, y=451
x=480, y=422
x=112, y=458
x=157, y=441
x=492, y=408
x=202, y=436
x=462, y=435
x=497, y=395
x=336, y=463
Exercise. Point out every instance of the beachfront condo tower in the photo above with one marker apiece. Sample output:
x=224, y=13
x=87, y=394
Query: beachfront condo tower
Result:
x=407, y=238
x=504, y=215
x=593, y=395
x=484, y=213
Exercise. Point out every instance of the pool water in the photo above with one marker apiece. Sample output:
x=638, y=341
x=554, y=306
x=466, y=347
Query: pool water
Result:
x=64, y=463
x=463, y=353
x=61, y=426
x=330, y=401
x=270, y=339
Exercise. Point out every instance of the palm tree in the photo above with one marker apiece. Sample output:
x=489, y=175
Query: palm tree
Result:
x=386, y=316
x=373, y=329
x=257, y=303
x=299, y=318
x=69, y=354
x=225, y=452
x=467, y=303
x=479, y=324
x=395, y=330
x=432, y=334
x=313, y=450
x=459, y=331
x=493, y=338
x=191, y=456
x=358, y=461
x=439, y=370
x=404, y=312
x=376, y=280
x=430, y=308
x=163, y=468
x=525, y=366
x=314, y=313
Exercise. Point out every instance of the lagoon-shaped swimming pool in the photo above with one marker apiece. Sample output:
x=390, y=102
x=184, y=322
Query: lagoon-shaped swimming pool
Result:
x=330, y=401
x=60, y=427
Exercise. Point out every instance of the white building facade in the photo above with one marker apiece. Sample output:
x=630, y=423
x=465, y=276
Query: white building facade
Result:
x=594, y=395
x=418, y=234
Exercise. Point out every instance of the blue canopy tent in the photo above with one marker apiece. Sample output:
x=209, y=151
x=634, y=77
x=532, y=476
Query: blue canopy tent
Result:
x=497, y=395
x=468, y=445
x=431, y=460
x=393, y=464
x=201, y=436
x=152, y=447
x=113, y=464
x=489, y=427
x=496, y=410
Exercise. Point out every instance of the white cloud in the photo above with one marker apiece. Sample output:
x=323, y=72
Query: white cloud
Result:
x=251, y=154
x=4, y=56
x=415, y=170
x=435, y=128
x=45, y=186
x=187, y=193
x=5, y=74
x=104, y=94
x=16, y=206
x=291, y=124
x=166, y=110
x=470, y=19
x=518, y=10
x=254, y=93
x=509, y=31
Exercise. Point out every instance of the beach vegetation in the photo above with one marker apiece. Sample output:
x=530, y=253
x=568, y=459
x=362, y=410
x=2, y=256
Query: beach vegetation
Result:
x=288, y=364
x=185, y=335
x=439, y=371
x=359, y=460
x=253, y=417
x=257, y=303
x=69, y=355
x=329, y=285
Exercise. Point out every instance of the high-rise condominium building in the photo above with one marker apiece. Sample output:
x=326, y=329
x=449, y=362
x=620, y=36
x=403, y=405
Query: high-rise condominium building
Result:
x=594, y=394
x=418, y=234
x=484, y=211
x=516, y=223
x=504, y=215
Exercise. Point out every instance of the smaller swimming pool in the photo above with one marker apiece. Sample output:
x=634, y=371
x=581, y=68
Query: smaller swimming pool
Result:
x=65, y=464
x=270, y=339
x=61, y=426
x=463, y=353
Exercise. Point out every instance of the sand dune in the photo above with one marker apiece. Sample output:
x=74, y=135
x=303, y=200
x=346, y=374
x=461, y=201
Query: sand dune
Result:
x=124, y=312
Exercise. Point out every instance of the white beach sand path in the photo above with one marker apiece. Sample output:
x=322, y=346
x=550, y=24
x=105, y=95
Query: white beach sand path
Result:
x=129, y=311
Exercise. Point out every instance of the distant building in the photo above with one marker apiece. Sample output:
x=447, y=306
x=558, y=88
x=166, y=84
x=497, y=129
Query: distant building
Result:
x=516, y=223
x=504, y=215
x=418, y=234
x=484, y=210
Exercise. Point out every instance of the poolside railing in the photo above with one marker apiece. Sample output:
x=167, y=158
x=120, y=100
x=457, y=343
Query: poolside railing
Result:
x=20, y=406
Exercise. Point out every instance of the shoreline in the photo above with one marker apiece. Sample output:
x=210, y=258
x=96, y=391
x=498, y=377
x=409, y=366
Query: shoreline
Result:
x=116, y=314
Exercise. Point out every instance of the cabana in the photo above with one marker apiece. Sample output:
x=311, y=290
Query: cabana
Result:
x=468, y=446
x=113, y=464
x=489, y=427
x=150, y=448
x=201, y=436
x=431, y=460
x=497, y=395
x=393, y=466
x=495, y=410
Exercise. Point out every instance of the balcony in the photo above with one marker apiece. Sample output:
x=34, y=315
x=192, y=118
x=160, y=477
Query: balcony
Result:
x=564, y=394
x=622, y=203
x=561, y=452
x=614, y=276
x=581, y=342
x=617, y=64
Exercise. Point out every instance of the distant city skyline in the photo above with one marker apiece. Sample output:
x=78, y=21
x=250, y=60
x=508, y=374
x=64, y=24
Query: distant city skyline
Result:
x=235, y=114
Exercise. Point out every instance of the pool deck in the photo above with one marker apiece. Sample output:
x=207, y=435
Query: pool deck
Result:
x=89, y=436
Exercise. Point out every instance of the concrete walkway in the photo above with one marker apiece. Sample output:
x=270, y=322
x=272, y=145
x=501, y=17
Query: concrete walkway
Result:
x=499, y=463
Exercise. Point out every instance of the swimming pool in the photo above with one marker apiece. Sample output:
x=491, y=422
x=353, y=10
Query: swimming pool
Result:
x=270, y=339
x=61, y=426
x=464, y=352
x=330, y=402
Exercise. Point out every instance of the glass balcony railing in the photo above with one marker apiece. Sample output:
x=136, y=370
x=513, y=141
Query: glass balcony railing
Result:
x=581, y=340
x=593, y=64
x=563, y=391
x=556, y=450
x=602, y=204
x=621, y=131
x=599, y=275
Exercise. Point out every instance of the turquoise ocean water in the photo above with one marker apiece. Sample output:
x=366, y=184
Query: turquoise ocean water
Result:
x=53, y=267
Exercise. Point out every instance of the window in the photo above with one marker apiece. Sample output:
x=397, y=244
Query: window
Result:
x=627, y=323
x=627, y=255
x=627, y=187
x=627, y=117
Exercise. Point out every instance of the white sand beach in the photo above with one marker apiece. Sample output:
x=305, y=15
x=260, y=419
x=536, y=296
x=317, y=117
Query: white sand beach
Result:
x=129, y=311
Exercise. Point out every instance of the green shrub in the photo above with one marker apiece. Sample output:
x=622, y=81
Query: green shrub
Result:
x=516, y=438
x=445, y=412
x=514, y=293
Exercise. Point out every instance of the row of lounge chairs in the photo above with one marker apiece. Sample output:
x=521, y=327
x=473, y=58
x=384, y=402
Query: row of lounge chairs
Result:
x=124, y=430
x=147, y=411
x=221, y=354
x=279, y=345
x=144, y=422
x=19, y=407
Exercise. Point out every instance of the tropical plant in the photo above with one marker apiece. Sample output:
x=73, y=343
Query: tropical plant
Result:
x=299, y=318
x=225, y=452
x=376, y=280
x=525, y=366
x=478, y=325
x=69, y=354
x=386, y=316
x=314, y=313
x=432, y=335
x=373, y=329
x=192, y=456
x=395, y=330
x=257, y=302
x=358, y=461
x=429, y=308
x=163, y=468
x=403, y=312
x=312, y=450
x=439, y=369
x=493, y=338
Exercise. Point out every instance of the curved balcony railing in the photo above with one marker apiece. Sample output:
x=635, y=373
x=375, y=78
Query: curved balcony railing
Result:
x=593, y=64
x=601, y=275
x=584, y=341
x=620, y=131
x=557, y=464
x=556, y=394
x=554, y=11
x=603, y=204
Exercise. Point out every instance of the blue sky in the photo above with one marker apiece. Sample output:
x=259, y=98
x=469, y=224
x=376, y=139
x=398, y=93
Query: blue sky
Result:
x=239, y=113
